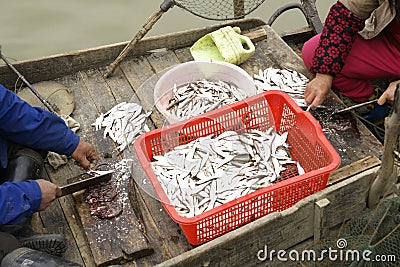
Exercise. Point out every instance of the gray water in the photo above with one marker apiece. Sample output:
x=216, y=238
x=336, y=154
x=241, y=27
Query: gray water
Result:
x=33, y=29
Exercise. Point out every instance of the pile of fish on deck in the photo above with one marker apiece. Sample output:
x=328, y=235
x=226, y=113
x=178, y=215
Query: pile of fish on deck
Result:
x=289, y=81
x=197, y=97
x=214, y=170
x=123, y=123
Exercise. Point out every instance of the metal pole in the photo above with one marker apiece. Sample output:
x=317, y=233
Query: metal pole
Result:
x=146, y=27
x=51, y=107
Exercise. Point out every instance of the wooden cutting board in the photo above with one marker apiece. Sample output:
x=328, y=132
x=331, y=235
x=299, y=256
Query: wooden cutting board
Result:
x=117, y=239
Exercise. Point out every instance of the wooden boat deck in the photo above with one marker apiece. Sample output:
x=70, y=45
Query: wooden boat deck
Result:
x=144, y=235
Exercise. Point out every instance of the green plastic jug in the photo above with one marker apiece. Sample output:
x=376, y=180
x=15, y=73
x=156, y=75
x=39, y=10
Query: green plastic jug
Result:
x=225, y=44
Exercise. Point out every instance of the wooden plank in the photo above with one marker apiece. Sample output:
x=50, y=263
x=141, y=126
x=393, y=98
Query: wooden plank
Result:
x=320, y=231
x=256, y=35
x=156, y=221
x=183, y=54
x=142, y=78
x=113, y=240
x=352, y=144
x=353, y=169
x=156, y=65
x=117, y=239
x=84, y=85
x=162, y=60
x=121, y=89
x=349, y=201
x=277, y=50
x=299, y=35
x=96, y=86
x=48, y=68
x=68, y=205
x=37, y=224
x=64, y=172
x=173, y=241
x=138, y=71
x=258, y=62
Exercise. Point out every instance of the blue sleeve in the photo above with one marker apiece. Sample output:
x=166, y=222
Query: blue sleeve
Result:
x=18, y=200
x=34, y=127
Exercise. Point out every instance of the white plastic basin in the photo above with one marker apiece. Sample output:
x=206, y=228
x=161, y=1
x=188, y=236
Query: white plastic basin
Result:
x=196, y=70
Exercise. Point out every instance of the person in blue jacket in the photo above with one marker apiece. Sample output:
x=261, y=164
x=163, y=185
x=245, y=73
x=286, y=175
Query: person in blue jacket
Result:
x=26, y=134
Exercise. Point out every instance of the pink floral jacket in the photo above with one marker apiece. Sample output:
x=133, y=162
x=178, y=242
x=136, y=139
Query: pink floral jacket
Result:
x=345, y=20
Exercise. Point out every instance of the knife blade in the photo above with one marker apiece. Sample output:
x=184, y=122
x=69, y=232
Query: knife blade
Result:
x=86, y=180
x=353, y=107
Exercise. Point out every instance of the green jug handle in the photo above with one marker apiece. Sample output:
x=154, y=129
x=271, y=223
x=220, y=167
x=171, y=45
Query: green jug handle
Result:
x=246, y=40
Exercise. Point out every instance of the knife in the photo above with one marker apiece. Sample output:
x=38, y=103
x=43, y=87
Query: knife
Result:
x=86, y=180
x=353, y=107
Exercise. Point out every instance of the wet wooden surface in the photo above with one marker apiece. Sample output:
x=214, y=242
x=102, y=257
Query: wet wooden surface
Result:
x=153, y=237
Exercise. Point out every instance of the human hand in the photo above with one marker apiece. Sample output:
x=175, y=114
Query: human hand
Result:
x=49, y=193
x=317, y=90
x=388, y=95
x=83, y=154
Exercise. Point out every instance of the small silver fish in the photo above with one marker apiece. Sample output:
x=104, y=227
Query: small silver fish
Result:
x=213, y=170
x=201, y=96
x=289, y=81
x=123, y=123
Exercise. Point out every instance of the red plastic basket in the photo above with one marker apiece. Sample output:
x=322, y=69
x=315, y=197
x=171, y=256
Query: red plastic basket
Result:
x=275, y=109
